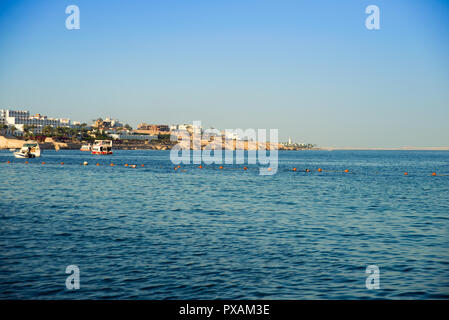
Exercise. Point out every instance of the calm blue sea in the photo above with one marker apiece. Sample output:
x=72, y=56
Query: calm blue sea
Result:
x=155, y=233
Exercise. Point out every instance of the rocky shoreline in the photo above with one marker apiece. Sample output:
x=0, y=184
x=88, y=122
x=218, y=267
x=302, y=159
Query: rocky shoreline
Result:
x=50, y=144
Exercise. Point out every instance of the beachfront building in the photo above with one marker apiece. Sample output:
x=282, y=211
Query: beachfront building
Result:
x=8, y=118
x=140, y=137
x=20, y=119
x=152, y=129
x=107, y=124
x=2, y=117
x=4, y=126
x=186, y=127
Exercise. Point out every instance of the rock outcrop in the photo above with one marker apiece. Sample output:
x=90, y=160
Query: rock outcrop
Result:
x=56, y=145
x=10, y=143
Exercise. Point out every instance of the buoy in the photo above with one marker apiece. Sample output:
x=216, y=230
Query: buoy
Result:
x=346, y=170
x=98, y=164
x=8, y=161
x=179, y=167
x=245, y=168
x=434, y=174
x=220, y=167
x=143, y=165
x=43, y=162
x=85, y=163
x=175, y=168
x=26, y=161
x=294, y=169
x=200, y=166
x=126, y=164
x=62, y=163
x=405, y=173
x=320, y=170
x=112, y=164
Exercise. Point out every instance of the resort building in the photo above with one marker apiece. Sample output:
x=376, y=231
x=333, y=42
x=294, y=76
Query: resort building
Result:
x=186, y=127
x=152, y=129
x=37, y=122
x=107, y=123
x=141, y=137
x=2, y=117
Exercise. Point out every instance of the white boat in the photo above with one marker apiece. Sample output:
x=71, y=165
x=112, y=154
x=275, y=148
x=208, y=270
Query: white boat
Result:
x=86, y=147
x=30, y=149
x=102, y=147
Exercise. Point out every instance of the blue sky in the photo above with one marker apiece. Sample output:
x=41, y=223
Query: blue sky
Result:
x=309, y=68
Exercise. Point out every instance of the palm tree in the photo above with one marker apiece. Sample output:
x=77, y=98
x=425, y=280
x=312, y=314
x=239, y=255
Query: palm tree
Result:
x=48, y=131
x=29, y=130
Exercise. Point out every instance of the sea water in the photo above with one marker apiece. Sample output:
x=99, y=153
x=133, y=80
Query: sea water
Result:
x=152, y=232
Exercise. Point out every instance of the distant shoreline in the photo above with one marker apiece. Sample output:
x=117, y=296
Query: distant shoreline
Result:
x=9, y=142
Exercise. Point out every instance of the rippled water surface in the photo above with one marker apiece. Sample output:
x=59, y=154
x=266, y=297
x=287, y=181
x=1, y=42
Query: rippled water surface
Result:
x=155, y=233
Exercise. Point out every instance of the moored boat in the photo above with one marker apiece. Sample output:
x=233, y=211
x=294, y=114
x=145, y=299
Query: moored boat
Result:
x=30, y=149
x=102, y=147
x=86, y=147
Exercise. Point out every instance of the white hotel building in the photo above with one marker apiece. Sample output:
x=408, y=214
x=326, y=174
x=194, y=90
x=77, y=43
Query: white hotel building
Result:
x=20, y=118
